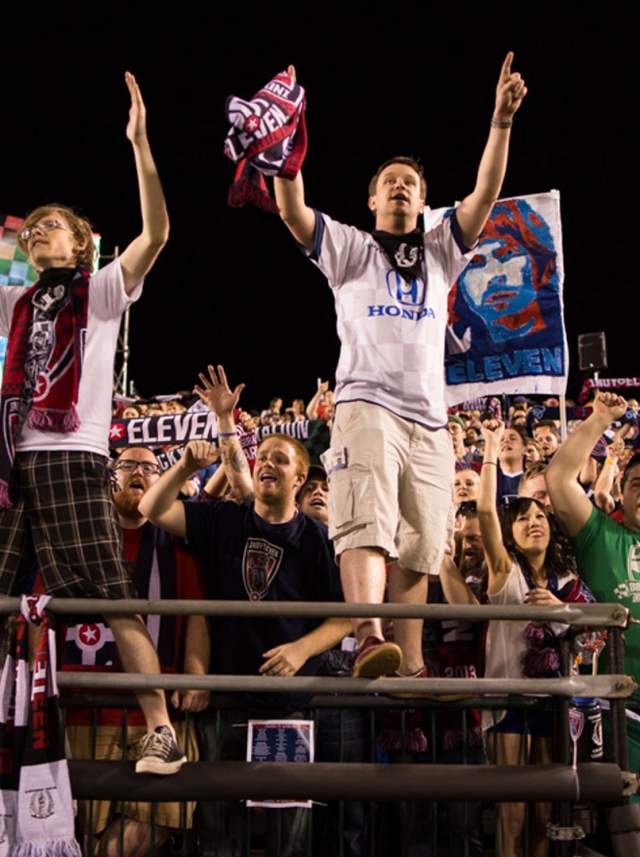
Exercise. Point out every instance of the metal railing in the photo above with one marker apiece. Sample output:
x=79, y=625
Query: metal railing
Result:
x=371, y=781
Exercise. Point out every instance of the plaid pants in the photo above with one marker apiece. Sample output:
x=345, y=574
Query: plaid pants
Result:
x=62, y=502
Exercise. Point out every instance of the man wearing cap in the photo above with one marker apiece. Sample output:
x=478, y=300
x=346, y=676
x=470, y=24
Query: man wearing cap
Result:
x=314, y=495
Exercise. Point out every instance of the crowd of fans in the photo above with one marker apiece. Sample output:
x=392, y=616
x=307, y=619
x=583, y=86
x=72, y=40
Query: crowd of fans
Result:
x=504, y=496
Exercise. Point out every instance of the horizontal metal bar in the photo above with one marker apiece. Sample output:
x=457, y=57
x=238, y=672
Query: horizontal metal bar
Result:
x=225, y=703
x=606, y=686
x=592, y=615
x=329, y=781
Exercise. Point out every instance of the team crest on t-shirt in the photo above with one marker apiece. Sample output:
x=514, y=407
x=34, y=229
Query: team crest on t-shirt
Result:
x=260, y=565
x=631, y=588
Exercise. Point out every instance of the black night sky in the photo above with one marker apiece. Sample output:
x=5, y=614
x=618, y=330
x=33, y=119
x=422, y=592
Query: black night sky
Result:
x=381, y=79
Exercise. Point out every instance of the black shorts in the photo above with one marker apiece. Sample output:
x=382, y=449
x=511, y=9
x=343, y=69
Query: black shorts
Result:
x=62, y=501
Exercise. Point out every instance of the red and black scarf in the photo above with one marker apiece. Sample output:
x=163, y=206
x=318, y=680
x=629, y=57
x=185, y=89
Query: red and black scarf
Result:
x=268, y=136
x=36, y=808
x=44, y=361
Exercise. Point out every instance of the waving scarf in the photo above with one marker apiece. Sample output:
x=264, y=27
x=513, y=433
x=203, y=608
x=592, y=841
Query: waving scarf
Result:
x=268, y=136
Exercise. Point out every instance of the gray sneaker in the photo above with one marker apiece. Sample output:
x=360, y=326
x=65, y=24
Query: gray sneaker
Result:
x=159, y=753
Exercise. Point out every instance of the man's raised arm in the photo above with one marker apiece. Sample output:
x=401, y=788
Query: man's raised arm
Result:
x=299, y=218
x=570, y=503
x=160, y=504
x=218, y=396
x=473, y=211
x=138, y=258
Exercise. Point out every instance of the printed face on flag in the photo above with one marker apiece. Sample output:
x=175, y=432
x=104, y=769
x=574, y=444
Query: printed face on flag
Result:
x=514, y=262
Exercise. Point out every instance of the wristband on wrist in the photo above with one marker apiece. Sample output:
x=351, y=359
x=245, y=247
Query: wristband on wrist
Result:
x=501, y=123
x=227, y=434
x=610, y=460
x=494, y=463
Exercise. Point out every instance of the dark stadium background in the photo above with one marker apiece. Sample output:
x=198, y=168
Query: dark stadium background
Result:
x=231, y=287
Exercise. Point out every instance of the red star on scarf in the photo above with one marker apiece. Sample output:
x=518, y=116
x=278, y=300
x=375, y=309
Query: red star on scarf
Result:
x=116, y=431
x=251, y=123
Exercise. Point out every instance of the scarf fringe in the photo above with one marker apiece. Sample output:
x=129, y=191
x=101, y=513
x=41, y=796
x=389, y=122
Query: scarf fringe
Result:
x=253, y=190
x=50, y=420
x=5, y=499
x=50, y=848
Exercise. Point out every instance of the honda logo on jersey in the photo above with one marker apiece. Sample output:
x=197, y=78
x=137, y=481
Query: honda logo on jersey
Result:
x=410, y=293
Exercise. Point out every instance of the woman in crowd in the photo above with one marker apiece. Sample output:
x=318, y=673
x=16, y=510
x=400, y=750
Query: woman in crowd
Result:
x=526, y=563
x=465, y=486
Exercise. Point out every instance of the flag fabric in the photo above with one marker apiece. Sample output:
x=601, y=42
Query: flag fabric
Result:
x=505, y=332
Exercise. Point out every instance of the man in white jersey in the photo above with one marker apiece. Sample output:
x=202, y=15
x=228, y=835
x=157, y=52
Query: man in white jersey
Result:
x=390, y=464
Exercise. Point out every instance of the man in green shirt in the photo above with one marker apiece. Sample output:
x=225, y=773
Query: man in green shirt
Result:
x=607, y=552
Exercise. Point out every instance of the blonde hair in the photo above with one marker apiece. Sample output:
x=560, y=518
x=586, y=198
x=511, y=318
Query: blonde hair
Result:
x=81, y=228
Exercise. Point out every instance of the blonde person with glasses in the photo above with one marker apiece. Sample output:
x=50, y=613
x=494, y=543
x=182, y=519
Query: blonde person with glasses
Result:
x=56, y=408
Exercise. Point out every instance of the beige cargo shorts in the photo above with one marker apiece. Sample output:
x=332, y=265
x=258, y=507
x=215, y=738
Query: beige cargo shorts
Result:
x=390, y=486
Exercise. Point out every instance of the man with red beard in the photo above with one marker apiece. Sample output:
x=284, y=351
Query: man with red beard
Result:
x=160, y=568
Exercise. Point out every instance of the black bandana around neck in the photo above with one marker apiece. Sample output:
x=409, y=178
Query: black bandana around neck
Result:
x=404, y=252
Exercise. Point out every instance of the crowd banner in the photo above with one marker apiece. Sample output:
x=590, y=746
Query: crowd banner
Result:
x=199, y=423
x=165, y=429
x=607, y=384
x=506, y=331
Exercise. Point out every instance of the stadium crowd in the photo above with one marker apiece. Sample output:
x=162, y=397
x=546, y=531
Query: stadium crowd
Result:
x=499, y=509
x=535, y=519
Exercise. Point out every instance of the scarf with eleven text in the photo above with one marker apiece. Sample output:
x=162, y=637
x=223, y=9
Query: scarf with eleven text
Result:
x=268, y=136
x=44, y=362
x=36, y=808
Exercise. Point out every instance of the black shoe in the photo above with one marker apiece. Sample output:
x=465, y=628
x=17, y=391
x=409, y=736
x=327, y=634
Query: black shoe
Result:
x=159, y=753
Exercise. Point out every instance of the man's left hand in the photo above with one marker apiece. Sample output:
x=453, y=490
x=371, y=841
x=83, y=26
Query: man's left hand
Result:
x=284, y=660
x=510, y=91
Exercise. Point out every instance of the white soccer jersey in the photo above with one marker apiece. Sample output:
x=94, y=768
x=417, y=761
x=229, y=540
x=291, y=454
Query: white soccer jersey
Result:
x=392, y=332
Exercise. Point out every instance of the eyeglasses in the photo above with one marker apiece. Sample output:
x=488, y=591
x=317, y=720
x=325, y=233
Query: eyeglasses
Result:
x=129, y=465
x=43, y=226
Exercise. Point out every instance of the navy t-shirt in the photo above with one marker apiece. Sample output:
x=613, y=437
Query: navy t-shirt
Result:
x=244, y=557
x=507, y=485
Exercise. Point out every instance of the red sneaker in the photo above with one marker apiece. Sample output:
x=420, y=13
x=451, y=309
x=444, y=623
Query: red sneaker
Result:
x=375, y=658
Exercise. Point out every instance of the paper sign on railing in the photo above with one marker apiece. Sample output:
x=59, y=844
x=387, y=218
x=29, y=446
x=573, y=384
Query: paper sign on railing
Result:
x=280, y=741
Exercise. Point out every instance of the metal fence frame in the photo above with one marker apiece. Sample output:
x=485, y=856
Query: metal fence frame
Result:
x=404, y=783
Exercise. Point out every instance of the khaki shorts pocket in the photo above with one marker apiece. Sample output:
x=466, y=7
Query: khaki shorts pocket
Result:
x=350, y=501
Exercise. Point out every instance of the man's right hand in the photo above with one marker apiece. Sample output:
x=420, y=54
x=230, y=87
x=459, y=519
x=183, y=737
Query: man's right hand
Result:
x=609, y=406
x=198, y=454
x=492, y=431
x=216, y=393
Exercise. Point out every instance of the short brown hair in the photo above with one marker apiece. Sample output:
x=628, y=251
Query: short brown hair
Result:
x=80, y=226
x=408, y=161
x=302, y=455
x=538, y=468
x=550, y=424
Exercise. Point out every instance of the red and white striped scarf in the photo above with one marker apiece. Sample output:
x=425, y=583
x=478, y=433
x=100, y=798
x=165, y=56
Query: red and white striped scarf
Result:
x=36, y=808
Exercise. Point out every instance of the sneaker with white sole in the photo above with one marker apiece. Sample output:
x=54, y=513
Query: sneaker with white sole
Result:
x=159, y=753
